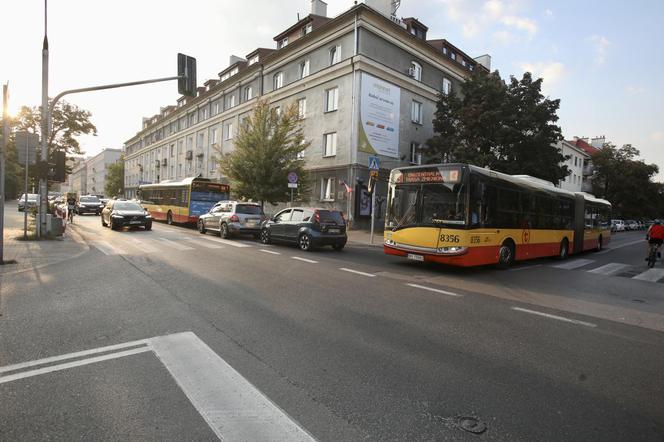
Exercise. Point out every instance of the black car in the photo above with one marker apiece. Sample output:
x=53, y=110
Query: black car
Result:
x=119, y=214
x=306, y=227
x=88, y=204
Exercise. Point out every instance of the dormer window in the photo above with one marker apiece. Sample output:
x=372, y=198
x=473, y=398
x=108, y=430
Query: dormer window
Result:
x=226, y=76
x=253, y=60
x=234, y=71
x=282, y=43
x=306, y=29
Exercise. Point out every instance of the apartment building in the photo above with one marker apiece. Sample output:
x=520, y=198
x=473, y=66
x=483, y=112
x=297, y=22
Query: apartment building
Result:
x=97, y=168
x=365, y=82
x=576, y=163
x=590, y=147
x=78, y=179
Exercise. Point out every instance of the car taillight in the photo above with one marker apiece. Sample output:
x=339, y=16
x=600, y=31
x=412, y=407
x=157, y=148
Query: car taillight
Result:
x=234, y=219
x=317, y=217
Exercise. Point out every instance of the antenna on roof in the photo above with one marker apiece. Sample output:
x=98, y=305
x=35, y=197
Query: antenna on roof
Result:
x=298, y=16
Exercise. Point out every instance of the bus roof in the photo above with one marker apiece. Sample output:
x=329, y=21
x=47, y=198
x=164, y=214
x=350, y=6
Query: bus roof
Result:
x=519, y=180
x=170, y=183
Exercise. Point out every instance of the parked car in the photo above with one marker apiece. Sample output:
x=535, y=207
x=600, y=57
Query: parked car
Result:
x=230, y=218
x=119, y=214
x=307, y=227
x=33, y=201
x=88, y=204
x=630, y=224
x=617, y=225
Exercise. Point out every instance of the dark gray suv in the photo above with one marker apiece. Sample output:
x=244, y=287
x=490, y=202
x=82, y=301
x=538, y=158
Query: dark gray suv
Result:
x=307, y=227
x=232, y=217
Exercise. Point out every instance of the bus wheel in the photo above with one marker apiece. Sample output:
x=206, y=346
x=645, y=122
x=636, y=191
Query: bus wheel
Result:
x=564, y=249
x=506, y=254
x=169, y=218
x=599, y=243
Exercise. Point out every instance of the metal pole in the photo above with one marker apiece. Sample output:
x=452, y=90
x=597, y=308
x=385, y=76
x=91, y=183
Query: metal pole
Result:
x=43, y=183
x=373, y=213
x=291, y=197
x=3, y=150
x=25, y=192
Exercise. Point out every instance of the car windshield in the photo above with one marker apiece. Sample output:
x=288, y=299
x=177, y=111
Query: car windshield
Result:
x=331, y=216
x=31, y=197
x=127, y=206
x=248, y=209
x=89, y=199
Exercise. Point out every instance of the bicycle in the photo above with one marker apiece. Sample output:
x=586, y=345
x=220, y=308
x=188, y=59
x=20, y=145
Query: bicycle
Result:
x=653, y=252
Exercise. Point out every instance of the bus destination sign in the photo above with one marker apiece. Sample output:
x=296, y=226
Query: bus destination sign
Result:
x=435, y=175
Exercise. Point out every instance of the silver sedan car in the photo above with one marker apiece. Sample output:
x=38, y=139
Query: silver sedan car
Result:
x=229, y=218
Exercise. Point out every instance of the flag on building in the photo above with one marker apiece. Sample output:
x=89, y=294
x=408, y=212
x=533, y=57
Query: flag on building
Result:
x=348, y=188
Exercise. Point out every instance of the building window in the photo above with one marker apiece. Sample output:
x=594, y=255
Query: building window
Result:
x=253, y=60
x=204, y=113
x=213, y=136
x=416, y=112
x=416, y=70
x=229, y=131
x=335, y=55
x=277, y=110
x=575, y=162
x=415, y=157
x=330, y=144
x=278, y=80
x=447, y=86
x=300, y=154
x=452, y=55
x=304, y=68
x=327, y=189
x=306, y=29
x=331, y=99
x=282, y=43
x=248, y=93
x=171, y=150
x=190, y=143
x=231, y=101
x=302, y=108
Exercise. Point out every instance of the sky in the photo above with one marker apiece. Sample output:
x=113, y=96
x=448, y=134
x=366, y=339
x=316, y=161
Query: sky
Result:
x=603, y=59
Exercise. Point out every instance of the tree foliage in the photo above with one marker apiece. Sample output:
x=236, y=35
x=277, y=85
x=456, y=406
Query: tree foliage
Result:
x=115, y=179
x=266, y=150
x=626, y=181
x=506, y=127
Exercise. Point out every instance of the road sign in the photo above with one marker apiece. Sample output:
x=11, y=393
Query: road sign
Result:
x=292, y=185
x=374, y=162
x=26, y=147
x=292, y=177
x=373, y=174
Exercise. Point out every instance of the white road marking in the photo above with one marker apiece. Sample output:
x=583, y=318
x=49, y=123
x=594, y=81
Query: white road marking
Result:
x=652, y=275
x=175, y=245
x=204, y=243
x=77, y=354
x=233, y=408
x=66, y=365
x=610, y=268
x=310, y=261
x=227, y=242
x=607, y=250
x=573, y=264
x=559, y=318
x=144, y=246
x=370, y=275
x=269, y=251
x=444, y=292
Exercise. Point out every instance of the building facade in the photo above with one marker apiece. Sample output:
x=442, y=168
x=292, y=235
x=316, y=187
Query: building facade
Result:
x=365, y=82
x=97, y=168
x=577, y=160
x=78, y=179
x=583, y=144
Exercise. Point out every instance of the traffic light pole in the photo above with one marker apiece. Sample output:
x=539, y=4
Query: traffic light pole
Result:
x=3, y=152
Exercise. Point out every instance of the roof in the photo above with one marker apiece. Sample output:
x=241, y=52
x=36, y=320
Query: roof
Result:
x=317, y=19
x=580, y=143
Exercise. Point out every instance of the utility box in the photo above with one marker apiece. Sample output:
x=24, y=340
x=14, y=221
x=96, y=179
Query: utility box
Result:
x=54, y=225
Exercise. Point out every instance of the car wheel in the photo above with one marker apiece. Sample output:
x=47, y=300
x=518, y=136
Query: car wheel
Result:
x=339, y=247
x=304, y=242
x=201, y=227
x=223, y=231
x=148, y=226
x=169, y=218
x=506, y=254
x=265, y=236
x=113, y=226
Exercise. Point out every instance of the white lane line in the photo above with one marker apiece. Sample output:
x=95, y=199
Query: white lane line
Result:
x=610, y=249
x=310, y=261
x=144, y=246
x=77, y=354
x=370, y=275
x=66, y=365
x=203, y=243
x=269, y=251
x=516, y=269
x=175, y=245
x=227, y=242
x=559, y=318
x=652, y=275
x=610, y=268
x=444, y=292
x=233, y=408
x=573, y=264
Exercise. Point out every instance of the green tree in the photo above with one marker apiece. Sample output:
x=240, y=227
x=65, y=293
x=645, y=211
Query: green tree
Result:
x=506, y=127
x=266, y=150
x=115, y=179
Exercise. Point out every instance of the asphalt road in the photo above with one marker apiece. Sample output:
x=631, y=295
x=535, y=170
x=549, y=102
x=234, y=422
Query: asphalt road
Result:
x=349, y=345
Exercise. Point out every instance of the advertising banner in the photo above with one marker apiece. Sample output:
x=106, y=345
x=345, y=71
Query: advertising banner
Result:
x=379, y=117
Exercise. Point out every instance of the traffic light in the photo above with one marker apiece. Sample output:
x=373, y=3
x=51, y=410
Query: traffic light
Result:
x=186, y=75
x=57, y=168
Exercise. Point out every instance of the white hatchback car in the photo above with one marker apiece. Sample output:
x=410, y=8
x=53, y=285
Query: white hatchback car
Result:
x=617, y=225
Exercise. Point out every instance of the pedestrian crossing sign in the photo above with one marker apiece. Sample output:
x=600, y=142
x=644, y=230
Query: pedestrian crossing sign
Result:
x=374, y=163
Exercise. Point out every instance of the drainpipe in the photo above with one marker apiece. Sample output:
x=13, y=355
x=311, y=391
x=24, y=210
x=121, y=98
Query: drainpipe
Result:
x=353, y=129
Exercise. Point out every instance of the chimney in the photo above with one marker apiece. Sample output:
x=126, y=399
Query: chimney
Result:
x=598, y=142
x=234, y=59
x=385, y=7
x=319, y=7
x=484, y=60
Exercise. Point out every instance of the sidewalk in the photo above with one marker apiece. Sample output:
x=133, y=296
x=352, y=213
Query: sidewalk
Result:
x=30, y=255
x=364, y=237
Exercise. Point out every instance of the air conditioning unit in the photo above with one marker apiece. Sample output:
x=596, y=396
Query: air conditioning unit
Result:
x=163, y=162
x=411, y=72
x=189, y=155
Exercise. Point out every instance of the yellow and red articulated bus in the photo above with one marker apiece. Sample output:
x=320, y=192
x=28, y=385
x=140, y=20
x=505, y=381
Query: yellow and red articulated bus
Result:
x=465, y=215
x=182, y=201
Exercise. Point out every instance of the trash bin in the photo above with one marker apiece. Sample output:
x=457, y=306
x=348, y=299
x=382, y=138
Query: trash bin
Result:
x=54, y=225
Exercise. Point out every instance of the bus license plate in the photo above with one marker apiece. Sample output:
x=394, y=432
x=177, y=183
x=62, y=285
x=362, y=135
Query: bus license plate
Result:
x=415, y=257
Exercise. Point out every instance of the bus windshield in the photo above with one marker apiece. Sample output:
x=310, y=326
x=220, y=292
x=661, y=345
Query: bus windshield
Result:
x=426, y=205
